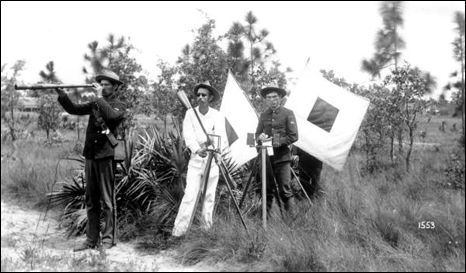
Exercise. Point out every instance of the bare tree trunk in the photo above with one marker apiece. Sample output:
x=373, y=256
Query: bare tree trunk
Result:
x=400, y=141
x=77, y=126
x=410, y=149
x=463, y=112
x=462, y=89
x=396, y=49
x=12, y=122
x=392, y=144
x=252, y=69
x=461, y=49
x=12, y=134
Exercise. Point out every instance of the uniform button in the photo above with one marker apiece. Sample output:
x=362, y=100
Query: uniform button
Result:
x=95, y=141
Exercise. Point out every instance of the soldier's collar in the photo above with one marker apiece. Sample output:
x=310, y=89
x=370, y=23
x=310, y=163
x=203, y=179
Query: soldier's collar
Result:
x=276, y=110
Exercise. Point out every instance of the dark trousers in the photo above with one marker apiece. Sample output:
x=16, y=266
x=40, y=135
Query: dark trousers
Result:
x=282, y=173
x=309, y=173
x=100, y=179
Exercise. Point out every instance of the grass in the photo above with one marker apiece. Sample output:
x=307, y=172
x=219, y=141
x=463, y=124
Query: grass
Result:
x=29, y=170
x=363, y=222
x=360, y=224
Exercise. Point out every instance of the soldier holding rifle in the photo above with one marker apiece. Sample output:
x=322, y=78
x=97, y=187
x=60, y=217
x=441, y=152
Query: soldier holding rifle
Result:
x=279, y=124
x=196, y=140
x=105, y=112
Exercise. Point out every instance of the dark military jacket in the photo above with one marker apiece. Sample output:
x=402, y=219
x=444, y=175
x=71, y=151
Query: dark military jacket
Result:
x=97, y=145
x=282, y=122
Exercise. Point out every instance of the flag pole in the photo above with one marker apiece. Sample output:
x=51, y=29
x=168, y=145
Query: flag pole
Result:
x=253, y=174
x=305, y=67
x=301, y=185
x=263, y=161
x=264, y=190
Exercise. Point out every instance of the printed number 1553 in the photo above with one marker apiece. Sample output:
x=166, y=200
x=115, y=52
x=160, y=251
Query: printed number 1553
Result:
x=426, y=225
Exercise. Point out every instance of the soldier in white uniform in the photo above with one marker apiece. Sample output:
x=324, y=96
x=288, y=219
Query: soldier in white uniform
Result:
x=195, y=138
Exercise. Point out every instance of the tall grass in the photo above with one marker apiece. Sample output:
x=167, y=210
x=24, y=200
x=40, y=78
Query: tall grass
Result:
x=362, y=223
x=30, y=168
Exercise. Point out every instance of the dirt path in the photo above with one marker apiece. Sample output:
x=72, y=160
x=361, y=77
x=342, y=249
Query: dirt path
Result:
x=30, y=244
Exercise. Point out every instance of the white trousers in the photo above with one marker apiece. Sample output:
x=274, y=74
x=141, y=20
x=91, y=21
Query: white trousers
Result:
x=193, y=186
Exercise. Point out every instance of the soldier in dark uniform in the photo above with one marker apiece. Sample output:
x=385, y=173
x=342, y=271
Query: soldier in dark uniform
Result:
x=278, y=123
x=105, y=114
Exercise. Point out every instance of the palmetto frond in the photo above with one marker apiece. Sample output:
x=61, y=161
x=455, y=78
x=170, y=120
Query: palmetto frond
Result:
x=165, y=208
x=152, y=186
x=74, y=221
x=236, y=172
x=160, y=174
x=70, y=194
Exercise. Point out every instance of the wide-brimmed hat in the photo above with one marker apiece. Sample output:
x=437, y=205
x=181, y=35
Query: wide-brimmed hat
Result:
x=212, y=90
x=108, y=75
x=273, y=87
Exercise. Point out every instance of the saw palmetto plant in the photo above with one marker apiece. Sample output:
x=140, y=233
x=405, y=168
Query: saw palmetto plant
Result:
x=150, y=184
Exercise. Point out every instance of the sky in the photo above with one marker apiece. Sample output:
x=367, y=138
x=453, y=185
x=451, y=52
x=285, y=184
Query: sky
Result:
x=332, y=35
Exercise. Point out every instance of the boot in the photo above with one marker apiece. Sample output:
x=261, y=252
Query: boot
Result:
x=85, y=246
x=289, y=206
x=269, y=207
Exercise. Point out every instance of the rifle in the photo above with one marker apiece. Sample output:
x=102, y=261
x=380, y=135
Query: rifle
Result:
x=50, y=86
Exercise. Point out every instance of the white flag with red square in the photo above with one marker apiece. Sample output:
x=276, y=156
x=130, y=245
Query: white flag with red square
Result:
x=328, y=117
x=241, y=119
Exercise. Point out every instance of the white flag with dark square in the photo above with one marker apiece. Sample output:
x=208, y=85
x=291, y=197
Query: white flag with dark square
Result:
x=328, y=117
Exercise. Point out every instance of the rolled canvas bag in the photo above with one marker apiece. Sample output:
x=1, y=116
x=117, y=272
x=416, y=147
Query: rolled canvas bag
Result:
x=121, y=150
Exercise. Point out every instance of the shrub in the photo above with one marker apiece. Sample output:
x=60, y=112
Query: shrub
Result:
x=455, y=171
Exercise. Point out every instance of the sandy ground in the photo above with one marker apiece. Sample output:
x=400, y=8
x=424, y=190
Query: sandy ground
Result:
x=25, y=230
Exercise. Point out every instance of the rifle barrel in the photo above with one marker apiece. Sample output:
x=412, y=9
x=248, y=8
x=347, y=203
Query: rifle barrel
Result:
x=50, y=86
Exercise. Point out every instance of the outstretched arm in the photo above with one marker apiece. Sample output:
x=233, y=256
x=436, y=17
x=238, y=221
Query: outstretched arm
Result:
x=70, y=107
